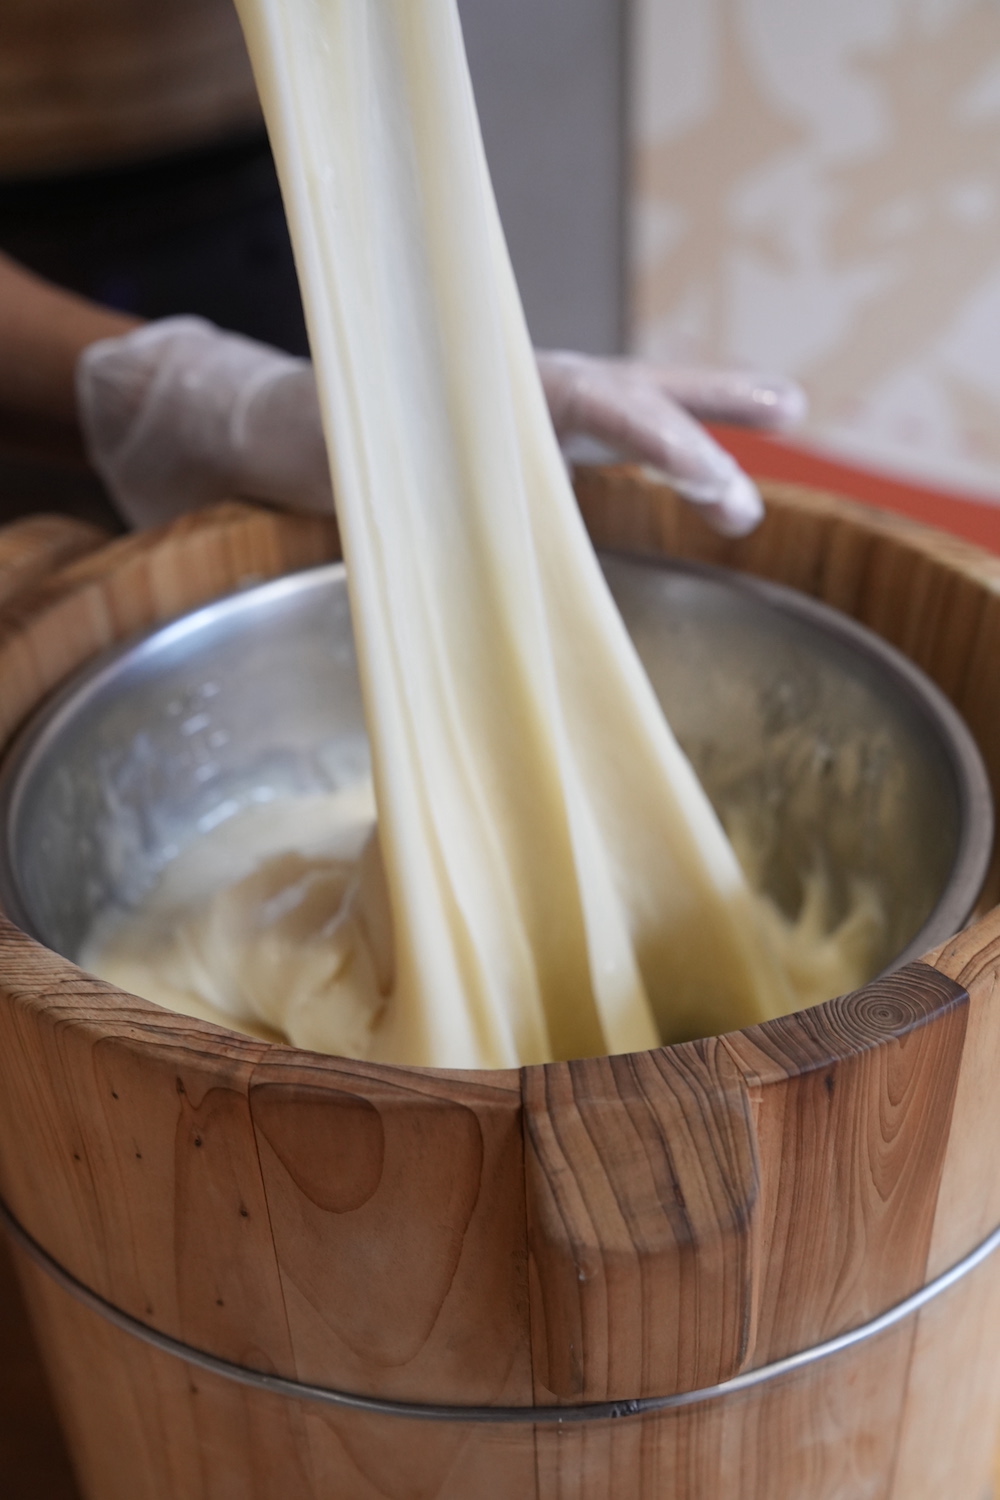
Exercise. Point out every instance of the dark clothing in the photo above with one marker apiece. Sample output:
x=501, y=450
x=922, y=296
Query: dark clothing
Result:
x=198, y=232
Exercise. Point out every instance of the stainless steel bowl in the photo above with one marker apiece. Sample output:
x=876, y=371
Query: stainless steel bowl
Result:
x=821, y=742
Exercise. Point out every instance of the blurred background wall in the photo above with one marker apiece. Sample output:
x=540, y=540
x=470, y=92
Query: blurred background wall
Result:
x=815, y=188
x=811, y=186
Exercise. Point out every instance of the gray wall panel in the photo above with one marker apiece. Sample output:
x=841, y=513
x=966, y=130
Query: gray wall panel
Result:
x=548, y=76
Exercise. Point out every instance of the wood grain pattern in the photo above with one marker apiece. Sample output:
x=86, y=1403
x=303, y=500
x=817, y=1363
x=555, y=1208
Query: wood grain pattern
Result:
x=714, y=1206
x=952, y=1384
x=33, y=1456
x=33, y=548
x=200, y=1438
x=609, y=1228
x=853, y=1103
x=145, y=1426
x=183, y=1184
x=153, y=1195
x=780, y=1442
x=969, y=1201
x=643, y=1223
x=397, y=1211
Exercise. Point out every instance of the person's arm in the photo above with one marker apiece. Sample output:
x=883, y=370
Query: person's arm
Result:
x=179, y=413
x=176, y=413
x=43, y=331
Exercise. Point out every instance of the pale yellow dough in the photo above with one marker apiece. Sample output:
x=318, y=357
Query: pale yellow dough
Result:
x=255, y=925
x=555, y=881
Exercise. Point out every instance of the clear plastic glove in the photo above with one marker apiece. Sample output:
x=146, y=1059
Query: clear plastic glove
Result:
x=178, y=413
x=641, y=411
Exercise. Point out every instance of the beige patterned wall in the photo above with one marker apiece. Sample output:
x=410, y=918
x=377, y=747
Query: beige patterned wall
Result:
x=816, y=189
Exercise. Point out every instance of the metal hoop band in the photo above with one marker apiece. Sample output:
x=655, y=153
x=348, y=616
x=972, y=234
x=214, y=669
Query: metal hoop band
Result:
x=281, y=1385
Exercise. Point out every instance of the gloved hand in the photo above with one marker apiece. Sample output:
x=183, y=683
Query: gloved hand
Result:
x=178, y=413
x=641, y=411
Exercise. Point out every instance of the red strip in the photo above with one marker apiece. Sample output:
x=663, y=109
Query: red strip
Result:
x=775, y=458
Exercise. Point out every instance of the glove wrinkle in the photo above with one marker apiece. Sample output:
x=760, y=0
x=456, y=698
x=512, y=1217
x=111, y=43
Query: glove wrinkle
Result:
x=627, y=405
x=179, y=413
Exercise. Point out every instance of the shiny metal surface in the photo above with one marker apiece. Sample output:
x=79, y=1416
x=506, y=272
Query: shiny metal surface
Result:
x=820, y=746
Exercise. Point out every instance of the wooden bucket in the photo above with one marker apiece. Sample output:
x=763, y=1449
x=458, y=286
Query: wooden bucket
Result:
x=757, y=1267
